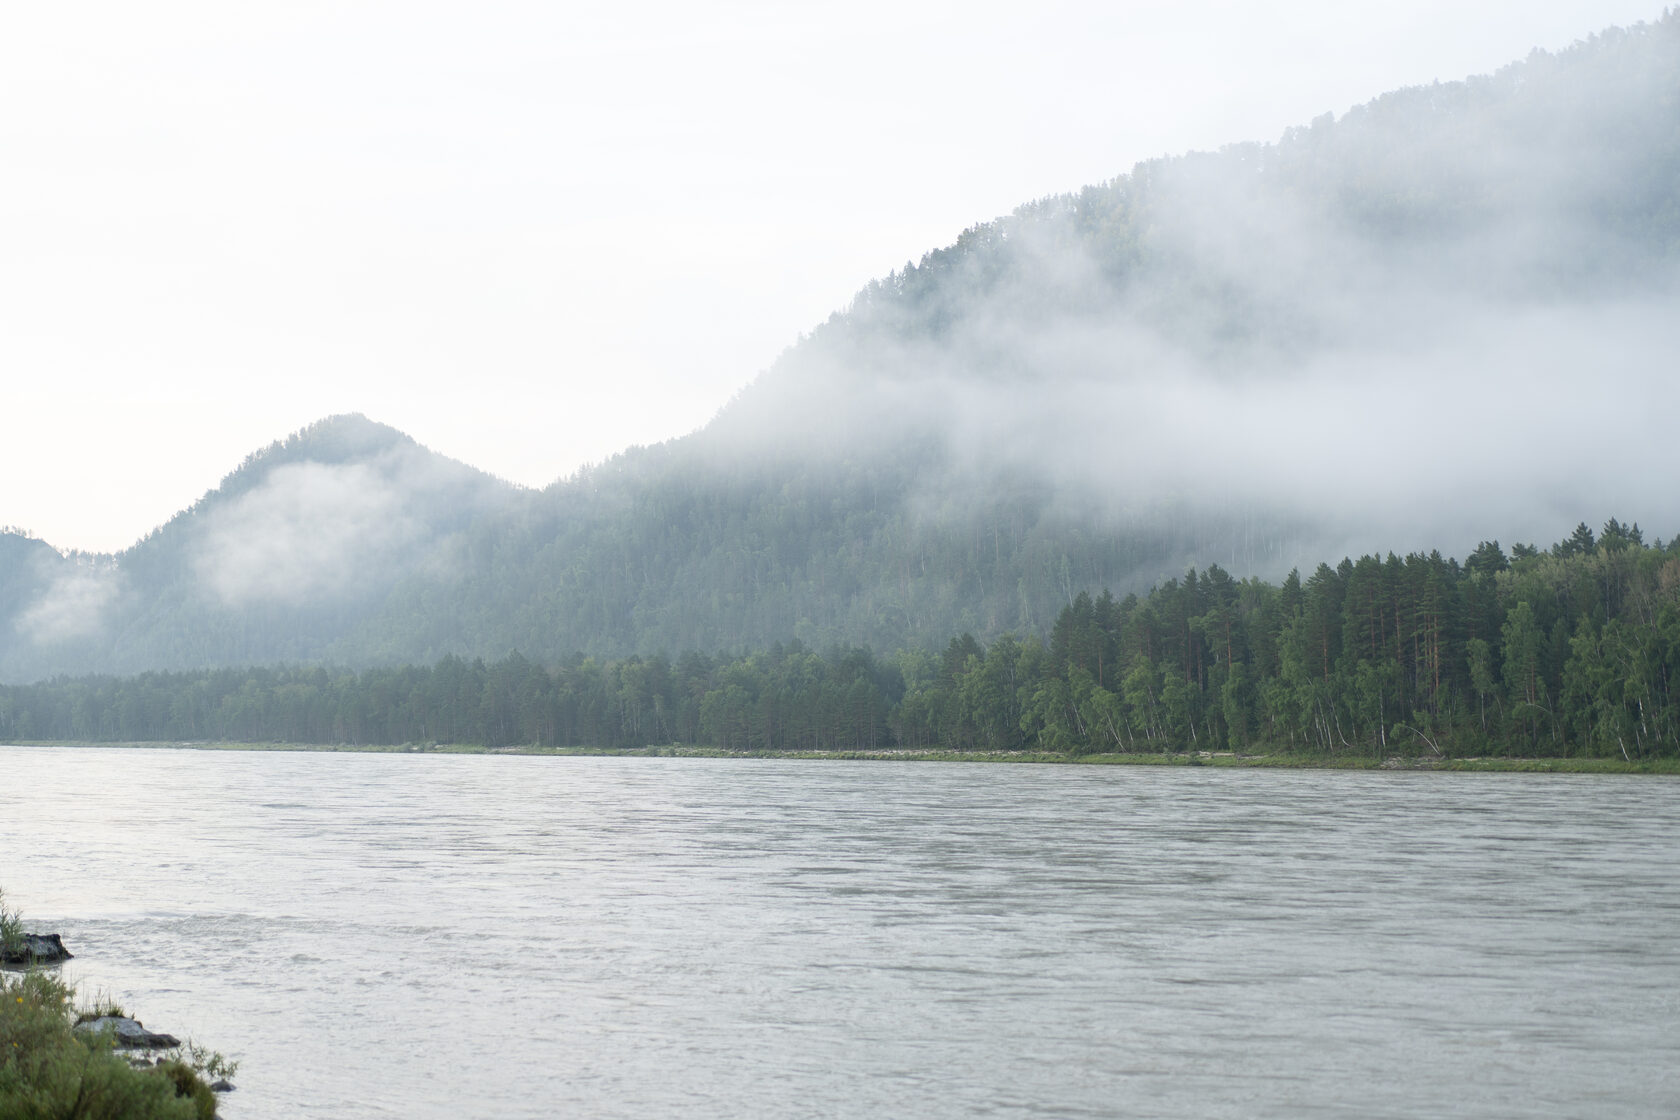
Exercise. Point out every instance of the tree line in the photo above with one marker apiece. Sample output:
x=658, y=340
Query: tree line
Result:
x=1571, y=650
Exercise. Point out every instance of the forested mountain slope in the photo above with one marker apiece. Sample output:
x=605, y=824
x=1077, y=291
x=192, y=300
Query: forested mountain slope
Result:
x=1448, y=312
x=1376, y=333
x=294, y=547
x=1572, y=652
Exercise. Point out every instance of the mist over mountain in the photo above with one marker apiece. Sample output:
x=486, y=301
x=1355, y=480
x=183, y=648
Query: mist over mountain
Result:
x=1446, y=288
x=305, y=539
x=1449, y=314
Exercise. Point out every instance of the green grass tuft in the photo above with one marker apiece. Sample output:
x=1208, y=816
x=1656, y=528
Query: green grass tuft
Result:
x=11, y=927
x=101, y=1006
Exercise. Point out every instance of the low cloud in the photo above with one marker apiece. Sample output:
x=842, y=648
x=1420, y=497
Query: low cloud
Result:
x=314, y=532
x=73, y=605
x=1449, y=316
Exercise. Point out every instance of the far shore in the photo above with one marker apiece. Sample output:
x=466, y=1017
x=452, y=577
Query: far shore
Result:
x=1277, y=760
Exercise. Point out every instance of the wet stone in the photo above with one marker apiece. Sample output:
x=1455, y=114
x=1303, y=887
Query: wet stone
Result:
x=129, y=1034
x=36, y=948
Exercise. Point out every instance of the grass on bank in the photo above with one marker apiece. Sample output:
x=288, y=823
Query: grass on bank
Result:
x=50, y=1071
x=1258, y=758
x=11, y=928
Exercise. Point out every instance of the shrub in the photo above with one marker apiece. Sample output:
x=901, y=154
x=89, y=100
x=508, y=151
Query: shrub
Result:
x=48, y=1069
x=188, y=1086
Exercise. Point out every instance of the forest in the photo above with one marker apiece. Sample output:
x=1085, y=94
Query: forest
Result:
x=1569, y=651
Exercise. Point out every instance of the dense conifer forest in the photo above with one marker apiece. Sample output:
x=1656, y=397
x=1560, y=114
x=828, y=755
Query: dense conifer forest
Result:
x=1572, y=651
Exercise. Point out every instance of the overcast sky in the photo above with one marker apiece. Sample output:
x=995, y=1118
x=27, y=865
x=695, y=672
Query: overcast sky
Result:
x=531, y=234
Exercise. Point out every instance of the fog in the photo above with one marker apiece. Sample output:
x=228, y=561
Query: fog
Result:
x=308, y=530
x=305, y=537
x=313, y=532
x=1449, y=316
x=73, y=603
x=1513, y=423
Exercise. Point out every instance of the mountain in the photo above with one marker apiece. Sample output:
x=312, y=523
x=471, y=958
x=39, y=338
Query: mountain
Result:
x=1452, y=308
x=292, y=550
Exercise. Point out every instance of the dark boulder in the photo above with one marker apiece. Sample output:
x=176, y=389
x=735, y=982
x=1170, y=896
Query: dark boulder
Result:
x=35, y=948
x=221, y=1086
x=129, y=1034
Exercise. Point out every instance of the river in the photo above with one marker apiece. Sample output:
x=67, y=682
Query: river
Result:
x=390, y=935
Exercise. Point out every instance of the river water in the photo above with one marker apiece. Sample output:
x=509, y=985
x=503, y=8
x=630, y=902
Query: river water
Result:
x=386, y=935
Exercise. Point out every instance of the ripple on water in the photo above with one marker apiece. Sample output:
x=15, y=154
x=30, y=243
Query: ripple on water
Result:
x=444, y=936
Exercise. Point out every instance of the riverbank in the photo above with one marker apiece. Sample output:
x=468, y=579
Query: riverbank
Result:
x=91, y=1061
x=1280, y=760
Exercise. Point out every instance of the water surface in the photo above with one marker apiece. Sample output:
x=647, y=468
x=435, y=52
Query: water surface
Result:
x=384, y=935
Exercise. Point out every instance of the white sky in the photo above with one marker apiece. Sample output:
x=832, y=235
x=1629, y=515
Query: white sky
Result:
x=532, y=234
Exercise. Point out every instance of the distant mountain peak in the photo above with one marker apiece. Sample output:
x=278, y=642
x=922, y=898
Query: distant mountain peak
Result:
x=344, y=437
x=356, y=451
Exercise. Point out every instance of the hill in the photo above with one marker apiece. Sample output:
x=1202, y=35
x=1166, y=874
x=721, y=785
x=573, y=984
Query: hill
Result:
x=293, y=549
x=1447, y=312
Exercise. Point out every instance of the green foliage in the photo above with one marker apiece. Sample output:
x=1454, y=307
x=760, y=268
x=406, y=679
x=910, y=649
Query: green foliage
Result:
x=49, y=1070
x=1566, y=652
x=211, y=1064
x=11, y=927
x=189, y=1086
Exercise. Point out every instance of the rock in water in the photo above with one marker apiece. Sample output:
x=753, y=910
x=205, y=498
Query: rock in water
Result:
x=129, y=1033
x=35, y=948
x=221, y=1086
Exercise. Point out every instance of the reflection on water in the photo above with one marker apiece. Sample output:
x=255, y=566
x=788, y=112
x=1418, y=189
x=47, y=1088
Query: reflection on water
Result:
x=449, y=936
